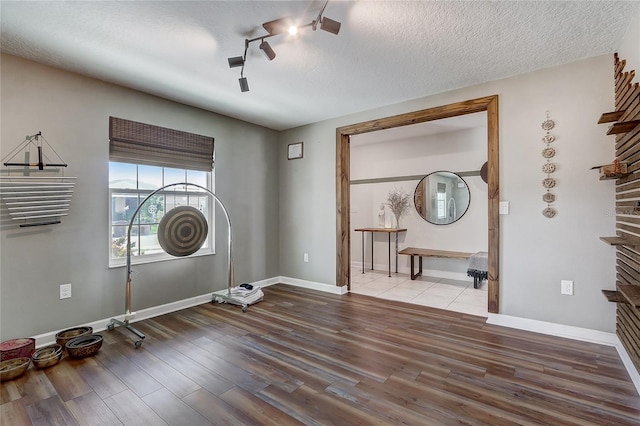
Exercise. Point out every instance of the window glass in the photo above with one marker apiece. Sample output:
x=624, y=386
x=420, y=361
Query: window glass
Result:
x=175, y=176
x=130, y=185
x=152, y=210
x=123, y=176
x=149, y=177
x=197, y=177
x=441, y=204
x=149, y=240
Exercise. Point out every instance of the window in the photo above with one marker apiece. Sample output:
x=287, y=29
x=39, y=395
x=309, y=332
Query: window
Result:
x=129, y=185
x=441, y=200
x=145, y=158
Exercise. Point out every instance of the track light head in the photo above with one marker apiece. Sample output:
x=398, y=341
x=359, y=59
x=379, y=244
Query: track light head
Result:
x=236, y=61
x=244, y=85
x=330, y=25
x=268, y=51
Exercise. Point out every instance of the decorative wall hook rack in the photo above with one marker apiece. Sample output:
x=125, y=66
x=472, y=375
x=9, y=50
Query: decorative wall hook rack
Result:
x=36, y=141
x=35, y=200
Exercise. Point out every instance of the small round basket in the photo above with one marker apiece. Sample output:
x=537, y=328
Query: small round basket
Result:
x=47, y=356
x=13, y=368
x=84, y=346
x=17, y=348
x=65, y=335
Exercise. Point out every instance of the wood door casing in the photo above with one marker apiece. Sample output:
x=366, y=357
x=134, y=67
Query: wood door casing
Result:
x=343, y=134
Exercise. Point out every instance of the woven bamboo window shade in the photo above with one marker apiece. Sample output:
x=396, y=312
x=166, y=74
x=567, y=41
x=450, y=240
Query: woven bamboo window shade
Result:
x=134, y=142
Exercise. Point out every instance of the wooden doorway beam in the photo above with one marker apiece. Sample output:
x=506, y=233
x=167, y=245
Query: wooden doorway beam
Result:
x=343, y=175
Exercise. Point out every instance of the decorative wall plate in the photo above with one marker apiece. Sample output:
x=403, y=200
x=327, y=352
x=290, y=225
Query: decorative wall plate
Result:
x=548, y=124
x=548, y=152
x=549, y=212
x=549, y=168
x=549, y=183
x=548, y=197
x=548, y=138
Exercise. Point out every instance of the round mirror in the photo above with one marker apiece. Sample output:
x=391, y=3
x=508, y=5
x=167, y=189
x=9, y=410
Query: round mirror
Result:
x=442, y=198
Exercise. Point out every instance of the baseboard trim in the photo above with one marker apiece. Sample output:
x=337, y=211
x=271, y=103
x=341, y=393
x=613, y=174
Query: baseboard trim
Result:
x=101, y=325
x=553, y=329
x=570, y=332
x=327, y=288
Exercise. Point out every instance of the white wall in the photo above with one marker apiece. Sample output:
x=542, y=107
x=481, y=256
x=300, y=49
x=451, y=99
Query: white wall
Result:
x=456, y=151
x=630, y=45
x=535, y=252
x=72, y=112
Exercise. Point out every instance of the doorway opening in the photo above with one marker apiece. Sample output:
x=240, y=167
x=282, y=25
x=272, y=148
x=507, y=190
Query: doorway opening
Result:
x=343, y=178
x=435, y=168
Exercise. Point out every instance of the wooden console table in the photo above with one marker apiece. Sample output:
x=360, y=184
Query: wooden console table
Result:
x=389, y=231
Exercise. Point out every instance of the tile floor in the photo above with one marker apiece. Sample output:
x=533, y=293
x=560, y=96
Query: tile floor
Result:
x=443, y=293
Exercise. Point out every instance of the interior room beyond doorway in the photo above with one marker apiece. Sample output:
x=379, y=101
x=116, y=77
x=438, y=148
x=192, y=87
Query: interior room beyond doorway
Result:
x=398, y=159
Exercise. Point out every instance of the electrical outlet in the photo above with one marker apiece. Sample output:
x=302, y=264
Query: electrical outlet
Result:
x=305, y=257
x=566, y=287
x=65, y=291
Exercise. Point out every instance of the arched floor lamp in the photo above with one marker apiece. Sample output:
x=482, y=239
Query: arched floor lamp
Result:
x=222, y=298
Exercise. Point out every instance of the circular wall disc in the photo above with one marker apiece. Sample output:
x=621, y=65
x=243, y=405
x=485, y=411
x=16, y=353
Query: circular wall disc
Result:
x=548, y=197
x=484, y=171
x=182, y=231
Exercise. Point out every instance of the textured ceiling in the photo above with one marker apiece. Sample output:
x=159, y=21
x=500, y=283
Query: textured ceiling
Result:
x=386, y=52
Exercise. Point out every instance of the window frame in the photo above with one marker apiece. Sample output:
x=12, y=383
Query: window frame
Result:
x=207, y=249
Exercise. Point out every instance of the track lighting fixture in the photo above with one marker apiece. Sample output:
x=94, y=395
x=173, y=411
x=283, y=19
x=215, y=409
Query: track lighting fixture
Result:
x=266, y=48
x=236, y=61
x=276, y=27
x=330, y=25
x=244, y=84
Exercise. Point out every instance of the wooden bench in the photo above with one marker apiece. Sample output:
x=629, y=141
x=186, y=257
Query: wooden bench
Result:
x=422, y=252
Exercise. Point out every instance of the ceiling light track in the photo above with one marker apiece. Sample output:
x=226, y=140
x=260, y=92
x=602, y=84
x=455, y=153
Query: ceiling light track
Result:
x=274, y=28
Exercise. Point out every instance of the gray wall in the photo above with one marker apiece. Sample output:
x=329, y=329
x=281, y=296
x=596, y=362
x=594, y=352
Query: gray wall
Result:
x=536, y=252
x=72, y=112
x=282, y=209
x=457, y=151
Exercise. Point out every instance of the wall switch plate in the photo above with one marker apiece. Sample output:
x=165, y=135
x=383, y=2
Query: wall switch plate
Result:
x=65, y=291
x=566, y=287
x=305, y=257
x=504, y=207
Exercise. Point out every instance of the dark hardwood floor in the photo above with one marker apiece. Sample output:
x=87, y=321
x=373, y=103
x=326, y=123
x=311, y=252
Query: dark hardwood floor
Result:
x=305, y=357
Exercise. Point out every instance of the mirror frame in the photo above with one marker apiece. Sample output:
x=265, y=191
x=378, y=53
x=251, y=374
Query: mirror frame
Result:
x=415, y=196
x=343, y=175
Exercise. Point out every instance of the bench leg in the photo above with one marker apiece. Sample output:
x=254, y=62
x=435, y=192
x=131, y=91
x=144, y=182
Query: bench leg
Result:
x=414, y=276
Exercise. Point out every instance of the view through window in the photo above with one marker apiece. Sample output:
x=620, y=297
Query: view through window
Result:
x=129, y=185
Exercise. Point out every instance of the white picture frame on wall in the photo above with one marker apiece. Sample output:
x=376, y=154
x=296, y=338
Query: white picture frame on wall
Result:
x=294, y=151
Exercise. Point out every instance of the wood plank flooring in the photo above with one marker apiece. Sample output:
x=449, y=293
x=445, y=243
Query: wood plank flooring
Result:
x=305, y=357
